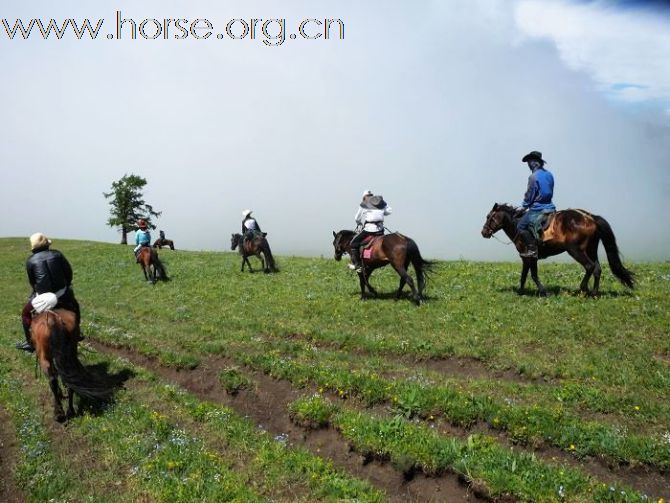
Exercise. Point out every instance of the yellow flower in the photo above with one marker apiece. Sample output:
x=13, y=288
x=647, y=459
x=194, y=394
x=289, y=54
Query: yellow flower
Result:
x=572, y=447
x=637, y=407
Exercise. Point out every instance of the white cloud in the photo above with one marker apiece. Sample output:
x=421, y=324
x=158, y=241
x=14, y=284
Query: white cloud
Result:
x=626, y=52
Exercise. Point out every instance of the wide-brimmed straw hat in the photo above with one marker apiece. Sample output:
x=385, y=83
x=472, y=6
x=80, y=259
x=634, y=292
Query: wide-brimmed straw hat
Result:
x=534, y=155
x=377, y=202
x=39, y=240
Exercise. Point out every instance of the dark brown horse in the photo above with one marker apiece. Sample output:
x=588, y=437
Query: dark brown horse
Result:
x=394, y=249
x=257, y=246
x=55, y=336
x=152, y=267
x=161, y=242
x=577, y=232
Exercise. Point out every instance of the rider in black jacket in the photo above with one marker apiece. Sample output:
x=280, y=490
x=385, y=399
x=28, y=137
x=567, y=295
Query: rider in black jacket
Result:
x=48, y=271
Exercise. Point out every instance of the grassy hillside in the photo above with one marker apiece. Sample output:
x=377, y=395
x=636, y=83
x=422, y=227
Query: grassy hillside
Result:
x=478, y=381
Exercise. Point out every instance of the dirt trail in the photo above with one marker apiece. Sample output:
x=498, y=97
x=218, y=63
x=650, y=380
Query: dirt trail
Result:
x=9, y=492
x=267, y=406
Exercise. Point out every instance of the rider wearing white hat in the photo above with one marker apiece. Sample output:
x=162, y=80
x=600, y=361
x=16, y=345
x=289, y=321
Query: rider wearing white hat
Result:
x=48, y=271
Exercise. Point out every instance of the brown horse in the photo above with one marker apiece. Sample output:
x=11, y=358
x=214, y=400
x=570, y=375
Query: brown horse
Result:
x=160, y=243
x=152, y=267
x=55, y=335
x=257, y=246
x=394, y=249
x=577, y=232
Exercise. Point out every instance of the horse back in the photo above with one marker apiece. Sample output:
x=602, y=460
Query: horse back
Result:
x=384, y=248
x=571, y=226
x=43, y=325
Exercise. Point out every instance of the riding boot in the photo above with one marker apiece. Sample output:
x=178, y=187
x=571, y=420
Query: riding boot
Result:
x=28, y=344
x=530, y=245
x=356, y=260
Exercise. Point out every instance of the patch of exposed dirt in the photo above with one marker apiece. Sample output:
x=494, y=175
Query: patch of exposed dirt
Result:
x=267, y=406
x=9, y=492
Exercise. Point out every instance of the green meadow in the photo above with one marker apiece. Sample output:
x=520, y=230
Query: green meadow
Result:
x=518, y=396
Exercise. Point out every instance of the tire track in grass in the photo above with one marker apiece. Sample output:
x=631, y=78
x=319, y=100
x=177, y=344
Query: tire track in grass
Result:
x=268, y=407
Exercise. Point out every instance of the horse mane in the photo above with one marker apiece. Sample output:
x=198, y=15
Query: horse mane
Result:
x=506, y=207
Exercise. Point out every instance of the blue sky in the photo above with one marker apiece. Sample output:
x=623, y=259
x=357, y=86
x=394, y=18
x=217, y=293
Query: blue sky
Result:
x=430, y=103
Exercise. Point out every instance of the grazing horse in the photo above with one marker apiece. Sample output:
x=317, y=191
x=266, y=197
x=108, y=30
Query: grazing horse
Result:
x=161, y=242
x=577, y=232
x=55, y=335
x=394, y=249
x=256, y=246
x=152, y=267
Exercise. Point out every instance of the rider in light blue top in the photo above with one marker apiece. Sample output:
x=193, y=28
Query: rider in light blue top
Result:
x=142, y=236
x=538, y=201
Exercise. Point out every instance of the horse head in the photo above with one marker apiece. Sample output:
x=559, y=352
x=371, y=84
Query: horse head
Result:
x=235, y=240
x=341, y=243
x=496, y=219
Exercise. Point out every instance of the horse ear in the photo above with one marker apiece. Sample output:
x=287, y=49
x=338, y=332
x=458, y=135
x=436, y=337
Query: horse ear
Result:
x=495, y=206
x=334, y=234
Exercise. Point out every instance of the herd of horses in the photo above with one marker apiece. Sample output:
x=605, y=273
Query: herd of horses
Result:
x=56, y=335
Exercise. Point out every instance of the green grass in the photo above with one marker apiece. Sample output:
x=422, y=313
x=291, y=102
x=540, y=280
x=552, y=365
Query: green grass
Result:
x=597, y=370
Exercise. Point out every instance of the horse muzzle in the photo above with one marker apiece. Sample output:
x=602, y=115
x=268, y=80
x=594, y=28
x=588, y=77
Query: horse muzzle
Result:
x=486, y=233
x=338, y=256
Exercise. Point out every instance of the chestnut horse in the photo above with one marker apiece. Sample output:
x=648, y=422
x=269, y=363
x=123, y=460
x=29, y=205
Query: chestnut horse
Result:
x=55, y=335
x=577, y=232
x=257, y=246
x=394, y=249
x=152, y=267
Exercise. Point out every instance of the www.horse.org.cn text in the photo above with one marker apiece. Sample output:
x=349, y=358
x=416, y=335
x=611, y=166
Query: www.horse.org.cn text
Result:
x=271, y=32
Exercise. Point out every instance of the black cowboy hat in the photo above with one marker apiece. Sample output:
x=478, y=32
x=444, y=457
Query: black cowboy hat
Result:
x=533, y=155
x=377, y=202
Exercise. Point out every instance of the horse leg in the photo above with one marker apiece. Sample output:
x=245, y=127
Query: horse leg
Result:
x=588, y=265
x=260, y=257
x=59, y=414
x=542, y=292
x=70, y=403
x=524, y=275
x=363, y=282
x=402, y=285
x=408, y=279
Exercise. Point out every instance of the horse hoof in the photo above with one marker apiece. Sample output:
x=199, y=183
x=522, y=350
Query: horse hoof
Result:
x=542, y=293
x=60, y=417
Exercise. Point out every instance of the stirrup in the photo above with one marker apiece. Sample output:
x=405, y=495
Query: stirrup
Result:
x=528, y=254
x=25, y=346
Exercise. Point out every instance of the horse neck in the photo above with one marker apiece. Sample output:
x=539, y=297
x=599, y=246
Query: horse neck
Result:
x=345, y=240
x=509, y=226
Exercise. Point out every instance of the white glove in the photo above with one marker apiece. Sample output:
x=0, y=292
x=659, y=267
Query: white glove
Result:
x=44, y=302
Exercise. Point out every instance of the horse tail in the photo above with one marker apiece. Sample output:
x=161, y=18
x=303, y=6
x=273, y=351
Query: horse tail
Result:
x=609, y=241
x=161, y=273
x=270, y=265
x=421, y=266
x=69, y=368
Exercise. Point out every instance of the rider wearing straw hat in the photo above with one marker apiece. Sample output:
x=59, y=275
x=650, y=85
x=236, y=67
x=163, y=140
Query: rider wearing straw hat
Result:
x=369, y=217
x=49, y=272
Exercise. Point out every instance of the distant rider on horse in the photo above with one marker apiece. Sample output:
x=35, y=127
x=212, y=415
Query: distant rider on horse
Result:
x=537, y=201
x=142, y=237
x=370, y=222
x=48, y=272
x=250, y=226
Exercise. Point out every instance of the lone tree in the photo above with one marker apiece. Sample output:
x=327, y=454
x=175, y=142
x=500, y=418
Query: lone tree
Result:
x=128, y=205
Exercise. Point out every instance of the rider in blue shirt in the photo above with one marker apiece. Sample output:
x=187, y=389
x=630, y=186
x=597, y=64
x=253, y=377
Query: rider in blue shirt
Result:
x=538, y=201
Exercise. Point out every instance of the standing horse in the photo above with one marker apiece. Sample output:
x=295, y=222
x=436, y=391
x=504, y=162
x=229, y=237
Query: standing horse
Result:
x=256, y=246
x=394, y=249
x=160, y=242
x=577, y=232
x=152, y=267
x=55, y=335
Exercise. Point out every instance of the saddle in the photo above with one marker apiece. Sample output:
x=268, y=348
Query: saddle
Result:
x=367, y=244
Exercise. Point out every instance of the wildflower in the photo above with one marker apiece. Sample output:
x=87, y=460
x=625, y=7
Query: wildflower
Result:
x=637, y=407
x=572, y=447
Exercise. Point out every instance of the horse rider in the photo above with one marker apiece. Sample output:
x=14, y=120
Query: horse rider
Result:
x=48, y=271
x=538, y=201
x=142, y=237
x=161, y=236
x=370, y=219
x=249, y=225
